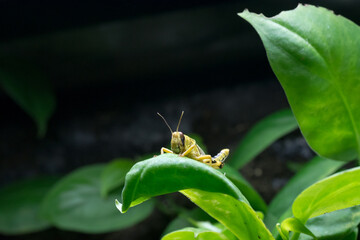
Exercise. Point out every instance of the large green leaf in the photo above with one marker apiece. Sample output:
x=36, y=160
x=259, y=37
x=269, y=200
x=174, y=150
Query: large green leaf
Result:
x=31, y=91
x=113, y=175
x=169, y=173
x=75, y=203
x=315, y=170
x=236, y=215
x=205, y=186
x=336, y=192
x=262, y=135
x=249, y=192
x=20, y=206
x=315, y=56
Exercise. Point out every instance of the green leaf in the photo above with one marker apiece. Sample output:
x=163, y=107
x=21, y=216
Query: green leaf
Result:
x=75, y=203
x=20, y=206
x=31, y=90
x=336, y=192
x=236, y=215
x=315, y=170
x=255, y=200
x=293, y=225
x=262, y=135
x=194, y=234
x=335, y=225
x=315, y=56
x=113, y=175
x=169, y=173
x=205, y=186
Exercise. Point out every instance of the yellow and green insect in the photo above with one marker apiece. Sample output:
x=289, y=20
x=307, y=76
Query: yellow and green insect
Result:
x=185, y=146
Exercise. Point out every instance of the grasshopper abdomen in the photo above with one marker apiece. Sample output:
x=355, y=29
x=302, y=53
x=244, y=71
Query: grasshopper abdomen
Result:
x=220, y=157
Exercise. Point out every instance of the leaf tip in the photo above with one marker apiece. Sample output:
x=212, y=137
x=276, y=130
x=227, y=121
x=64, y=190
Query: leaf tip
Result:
x=119, y=206
x=249, y=16
x=41, y=129
x=243, y=13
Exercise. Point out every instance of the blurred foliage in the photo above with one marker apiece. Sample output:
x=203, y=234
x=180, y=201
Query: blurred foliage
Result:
x=20, y=205
x=262, y=135
x=75, y=203
x=31, y=90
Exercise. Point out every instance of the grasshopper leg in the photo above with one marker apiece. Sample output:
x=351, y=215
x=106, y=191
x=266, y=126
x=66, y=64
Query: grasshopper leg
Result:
x=165, y=150
x=221, y=156
x=205, y=159
x=215, y=162
x=188, y=150
x=218, y=160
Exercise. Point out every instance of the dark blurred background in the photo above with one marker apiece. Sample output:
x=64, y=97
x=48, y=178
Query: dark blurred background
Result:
x=114, y=64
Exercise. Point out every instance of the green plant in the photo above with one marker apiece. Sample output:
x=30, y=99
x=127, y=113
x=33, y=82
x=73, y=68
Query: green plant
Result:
x=310, y=50
x=315, y=56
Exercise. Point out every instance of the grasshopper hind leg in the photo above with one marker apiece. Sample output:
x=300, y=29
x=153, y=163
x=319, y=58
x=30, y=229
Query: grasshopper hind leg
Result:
x=219, y=159
x=204, y=159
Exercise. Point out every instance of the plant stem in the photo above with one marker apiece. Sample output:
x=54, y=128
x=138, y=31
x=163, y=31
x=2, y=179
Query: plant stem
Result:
x=295, y=236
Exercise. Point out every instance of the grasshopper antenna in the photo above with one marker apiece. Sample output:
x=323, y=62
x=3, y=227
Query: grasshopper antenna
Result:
x=165, y=122
x=177, y=129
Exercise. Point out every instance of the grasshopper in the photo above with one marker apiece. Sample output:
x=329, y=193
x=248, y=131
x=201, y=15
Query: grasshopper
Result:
x=185, y=146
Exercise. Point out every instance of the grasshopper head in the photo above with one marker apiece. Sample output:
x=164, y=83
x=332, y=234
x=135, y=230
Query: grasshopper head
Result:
x=177, y=138
x=178, y=142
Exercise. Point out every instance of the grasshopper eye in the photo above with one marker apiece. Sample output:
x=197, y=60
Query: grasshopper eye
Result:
x=182, y=137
